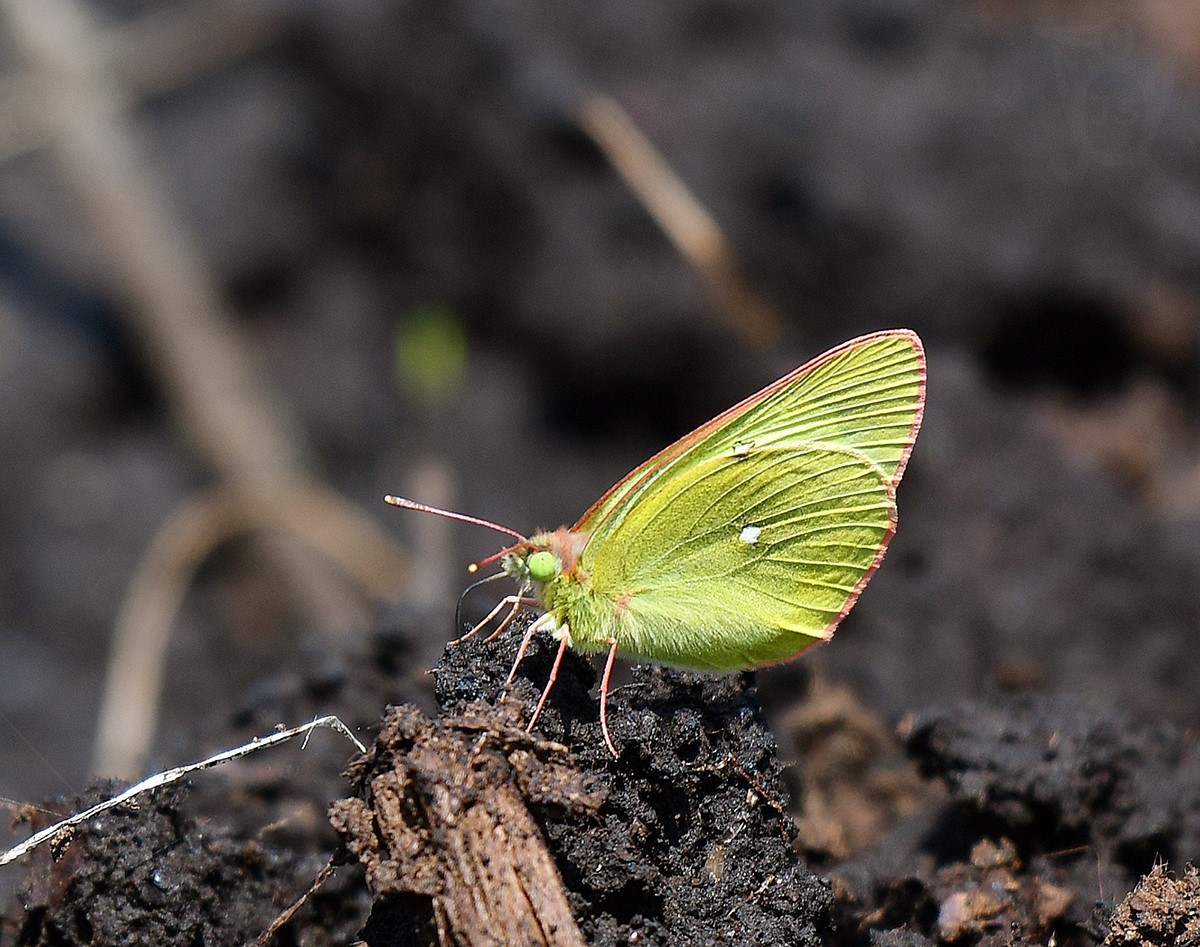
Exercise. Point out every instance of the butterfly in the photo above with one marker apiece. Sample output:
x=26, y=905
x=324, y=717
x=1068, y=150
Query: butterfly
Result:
x=743, y=543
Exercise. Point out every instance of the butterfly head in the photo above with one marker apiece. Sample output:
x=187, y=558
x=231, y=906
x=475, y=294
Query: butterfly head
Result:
x=531, y=566
x=545, y=558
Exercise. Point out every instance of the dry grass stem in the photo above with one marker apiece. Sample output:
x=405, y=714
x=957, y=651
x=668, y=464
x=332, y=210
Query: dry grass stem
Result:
x=682, y=217
x=166, y=777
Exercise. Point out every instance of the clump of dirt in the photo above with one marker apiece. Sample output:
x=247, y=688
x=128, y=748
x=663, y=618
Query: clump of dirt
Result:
x=991, y=898
x=693, y=842
x=1161, y=910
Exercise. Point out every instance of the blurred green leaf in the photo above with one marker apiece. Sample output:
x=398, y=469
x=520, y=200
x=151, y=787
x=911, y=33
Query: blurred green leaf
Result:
x=430, y=354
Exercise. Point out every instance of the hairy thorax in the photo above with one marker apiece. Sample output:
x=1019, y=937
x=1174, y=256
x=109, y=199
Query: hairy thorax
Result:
x=589, y=617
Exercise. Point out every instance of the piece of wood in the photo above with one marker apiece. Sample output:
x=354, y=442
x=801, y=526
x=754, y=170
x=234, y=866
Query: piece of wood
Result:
x=441, y=814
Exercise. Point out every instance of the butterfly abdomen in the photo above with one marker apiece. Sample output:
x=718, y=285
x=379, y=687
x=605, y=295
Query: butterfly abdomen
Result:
x=710, y=637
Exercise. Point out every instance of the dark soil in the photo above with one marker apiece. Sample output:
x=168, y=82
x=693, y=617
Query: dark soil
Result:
x=999, y=743
x=1049, y=812
x=156, y=874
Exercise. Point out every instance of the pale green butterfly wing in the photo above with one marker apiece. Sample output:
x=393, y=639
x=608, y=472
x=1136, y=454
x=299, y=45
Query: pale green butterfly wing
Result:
x=740, y=559
x=866, y=394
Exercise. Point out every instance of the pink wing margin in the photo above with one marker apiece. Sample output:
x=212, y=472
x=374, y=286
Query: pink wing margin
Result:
x=918, y=416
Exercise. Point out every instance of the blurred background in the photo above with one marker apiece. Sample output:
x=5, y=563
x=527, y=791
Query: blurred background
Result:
x=265, y=261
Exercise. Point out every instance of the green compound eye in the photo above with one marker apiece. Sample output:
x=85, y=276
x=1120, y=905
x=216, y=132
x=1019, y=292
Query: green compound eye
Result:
x=542, y=566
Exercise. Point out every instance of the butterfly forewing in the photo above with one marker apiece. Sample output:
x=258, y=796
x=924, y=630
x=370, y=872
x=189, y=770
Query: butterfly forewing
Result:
x=747, y=558
x=866, y=395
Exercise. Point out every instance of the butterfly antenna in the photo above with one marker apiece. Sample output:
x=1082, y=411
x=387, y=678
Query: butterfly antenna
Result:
x=450, y=514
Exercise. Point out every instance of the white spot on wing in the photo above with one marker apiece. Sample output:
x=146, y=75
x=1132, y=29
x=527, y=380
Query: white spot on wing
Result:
x=749, y=534
x=742, y=448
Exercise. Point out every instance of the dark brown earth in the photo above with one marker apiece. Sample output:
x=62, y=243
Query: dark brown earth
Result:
x=1014, y=821
x=1000, y=741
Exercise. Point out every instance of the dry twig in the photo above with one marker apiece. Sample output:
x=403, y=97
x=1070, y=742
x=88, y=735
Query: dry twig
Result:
x=679, y=213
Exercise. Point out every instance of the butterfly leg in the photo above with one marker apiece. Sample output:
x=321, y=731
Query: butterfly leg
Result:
x=562, y=649
x=514, y=600
x=517, y=602
x=608, y=666
x=537, y=626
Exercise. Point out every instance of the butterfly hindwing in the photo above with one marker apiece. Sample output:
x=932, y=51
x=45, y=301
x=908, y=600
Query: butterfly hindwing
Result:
x=744, y=558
